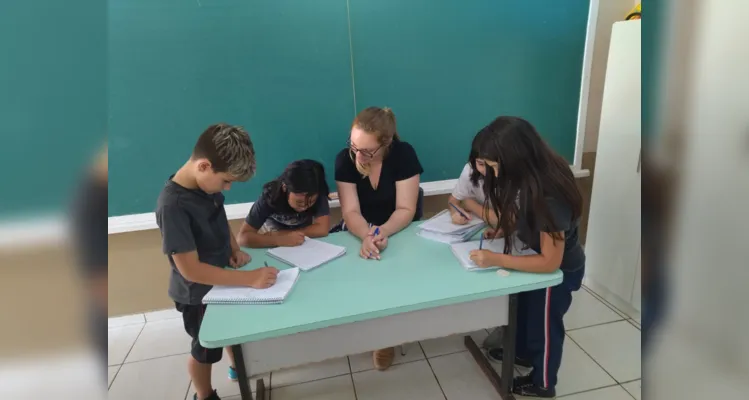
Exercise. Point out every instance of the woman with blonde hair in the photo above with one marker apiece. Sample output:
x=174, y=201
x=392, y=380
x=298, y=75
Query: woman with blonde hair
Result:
x=377, y=177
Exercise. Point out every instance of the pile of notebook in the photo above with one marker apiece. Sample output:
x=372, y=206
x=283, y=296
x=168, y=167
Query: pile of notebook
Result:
x=462, y=251
x=441, y=228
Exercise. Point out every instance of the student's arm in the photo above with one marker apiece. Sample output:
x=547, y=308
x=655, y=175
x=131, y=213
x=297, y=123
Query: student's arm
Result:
x=548, y=261
x=248, y=235
x=475, y=208
x=319, y=228
x=192, y=269
x=406, y=197
x=351, y=210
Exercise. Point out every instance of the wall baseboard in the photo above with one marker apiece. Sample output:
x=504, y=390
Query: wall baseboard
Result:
x=147, y=221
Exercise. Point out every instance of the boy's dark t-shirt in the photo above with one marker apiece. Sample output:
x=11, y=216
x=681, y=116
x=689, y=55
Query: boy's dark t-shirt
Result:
x=574, y=255
x=377, y=205
x=263, y=212
x=192, y=220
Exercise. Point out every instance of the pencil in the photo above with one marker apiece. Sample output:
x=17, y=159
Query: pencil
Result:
x=458, y=210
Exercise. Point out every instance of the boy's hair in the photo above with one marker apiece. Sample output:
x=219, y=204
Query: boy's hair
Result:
x=303, y=176
x=229, y=149
x=379, y=122
x=529, y=170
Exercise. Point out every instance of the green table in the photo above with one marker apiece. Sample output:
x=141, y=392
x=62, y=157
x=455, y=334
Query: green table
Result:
x=417, y=291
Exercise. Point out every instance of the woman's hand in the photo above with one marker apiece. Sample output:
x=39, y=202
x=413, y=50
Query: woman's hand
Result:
x=490, y=233
x=369, y=249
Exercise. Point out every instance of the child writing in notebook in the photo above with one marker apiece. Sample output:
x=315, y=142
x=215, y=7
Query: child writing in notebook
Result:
x=533, y=192
x=467, y=199
x=197, y=239
x=292, y=206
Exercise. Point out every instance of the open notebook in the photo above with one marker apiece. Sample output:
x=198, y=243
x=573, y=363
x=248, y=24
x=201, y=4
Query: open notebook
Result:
x=311, y=254
x=442, y=223
x=463, y=250
x=275, y=294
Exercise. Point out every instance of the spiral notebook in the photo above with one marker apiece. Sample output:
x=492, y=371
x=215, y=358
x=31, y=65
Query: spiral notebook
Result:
x=462, y=251
x=311, y=254
x=275, y=294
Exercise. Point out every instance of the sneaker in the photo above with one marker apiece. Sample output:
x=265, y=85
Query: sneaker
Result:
x=233, y=374
x=497, y=355
x=383, y=358
x=524, y=386
x=213, y=396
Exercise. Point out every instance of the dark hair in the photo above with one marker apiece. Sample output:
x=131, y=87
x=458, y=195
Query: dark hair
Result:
x=302, y=176
x=529, y=171
x=228, y=148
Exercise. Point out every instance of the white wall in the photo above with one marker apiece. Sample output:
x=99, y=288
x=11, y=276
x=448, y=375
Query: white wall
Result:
x=609, y=11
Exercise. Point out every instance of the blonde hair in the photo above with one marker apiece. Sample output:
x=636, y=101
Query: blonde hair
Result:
x=379, y=122
x=229, y=149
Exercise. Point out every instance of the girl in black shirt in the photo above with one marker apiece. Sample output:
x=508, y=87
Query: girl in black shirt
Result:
x=534, y=194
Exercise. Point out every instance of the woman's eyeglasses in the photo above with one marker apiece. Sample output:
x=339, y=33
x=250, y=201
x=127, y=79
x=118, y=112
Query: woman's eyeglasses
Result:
x=363, y=152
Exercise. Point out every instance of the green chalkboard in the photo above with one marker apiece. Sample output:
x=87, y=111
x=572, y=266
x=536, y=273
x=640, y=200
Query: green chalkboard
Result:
x=294, y=73
x=53, y=100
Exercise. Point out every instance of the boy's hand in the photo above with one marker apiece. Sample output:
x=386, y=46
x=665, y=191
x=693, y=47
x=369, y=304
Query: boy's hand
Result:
x=239, y=259
x=261, y=278
x=291, y=239
x=457, y=218
x=481, y=258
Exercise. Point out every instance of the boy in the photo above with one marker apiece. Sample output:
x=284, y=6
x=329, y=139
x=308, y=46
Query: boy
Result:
x=198, y=241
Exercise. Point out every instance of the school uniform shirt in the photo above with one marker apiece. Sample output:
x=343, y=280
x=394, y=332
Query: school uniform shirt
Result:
x=464, y=189
x=574, y=256
x=262, y=214
x=377, y=205
x=192, y=220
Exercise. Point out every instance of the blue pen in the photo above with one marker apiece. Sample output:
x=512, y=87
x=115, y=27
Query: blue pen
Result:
x=481, y=242
x=376, y=232
x=458, y=210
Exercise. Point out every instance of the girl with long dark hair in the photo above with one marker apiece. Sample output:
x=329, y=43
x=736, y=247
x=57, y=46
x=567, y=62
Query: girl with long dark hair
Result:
x=533, y=194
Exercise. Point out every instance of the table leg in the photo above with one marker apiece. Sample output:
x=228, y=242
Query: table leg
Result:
x=502, y=384
x=244, y=383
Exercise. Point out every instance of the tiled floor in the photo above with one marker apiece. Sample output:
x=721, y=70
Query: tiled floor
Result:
x=148, y=356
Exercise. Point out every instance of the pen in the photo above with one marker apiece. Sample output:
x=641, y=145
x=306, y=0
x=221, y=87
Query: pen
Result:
x=481, y=242
x=266, y=263
x=458, y=210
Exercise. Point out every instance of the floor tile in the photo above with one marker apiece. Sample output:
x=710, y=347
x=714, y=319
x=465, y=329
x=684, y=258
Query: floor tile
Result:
x=111, y=373
x=461, y=378
x=225, y=386
x=162, y=378
x=609, y=393
x=587, y=310
x=414, y=380
x=616, y=346
x=161, y=315
x=579, y=372
x=363, y=361
x=160, y=339
x=120, y=341
x=634, y=388
x=338, y=388
x=451, y=344
x=124, y=320
x=310, y=372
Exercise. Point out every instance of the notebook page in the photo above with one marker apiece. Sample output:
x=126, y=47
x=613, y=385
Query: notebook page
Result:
x=312, y=253
x=462, y=250
x=442, y=223
x=284, y=283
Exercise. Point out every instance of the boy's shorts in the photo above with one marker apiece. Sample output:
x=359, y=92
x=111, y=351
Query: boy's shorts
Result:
x=192, y=316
